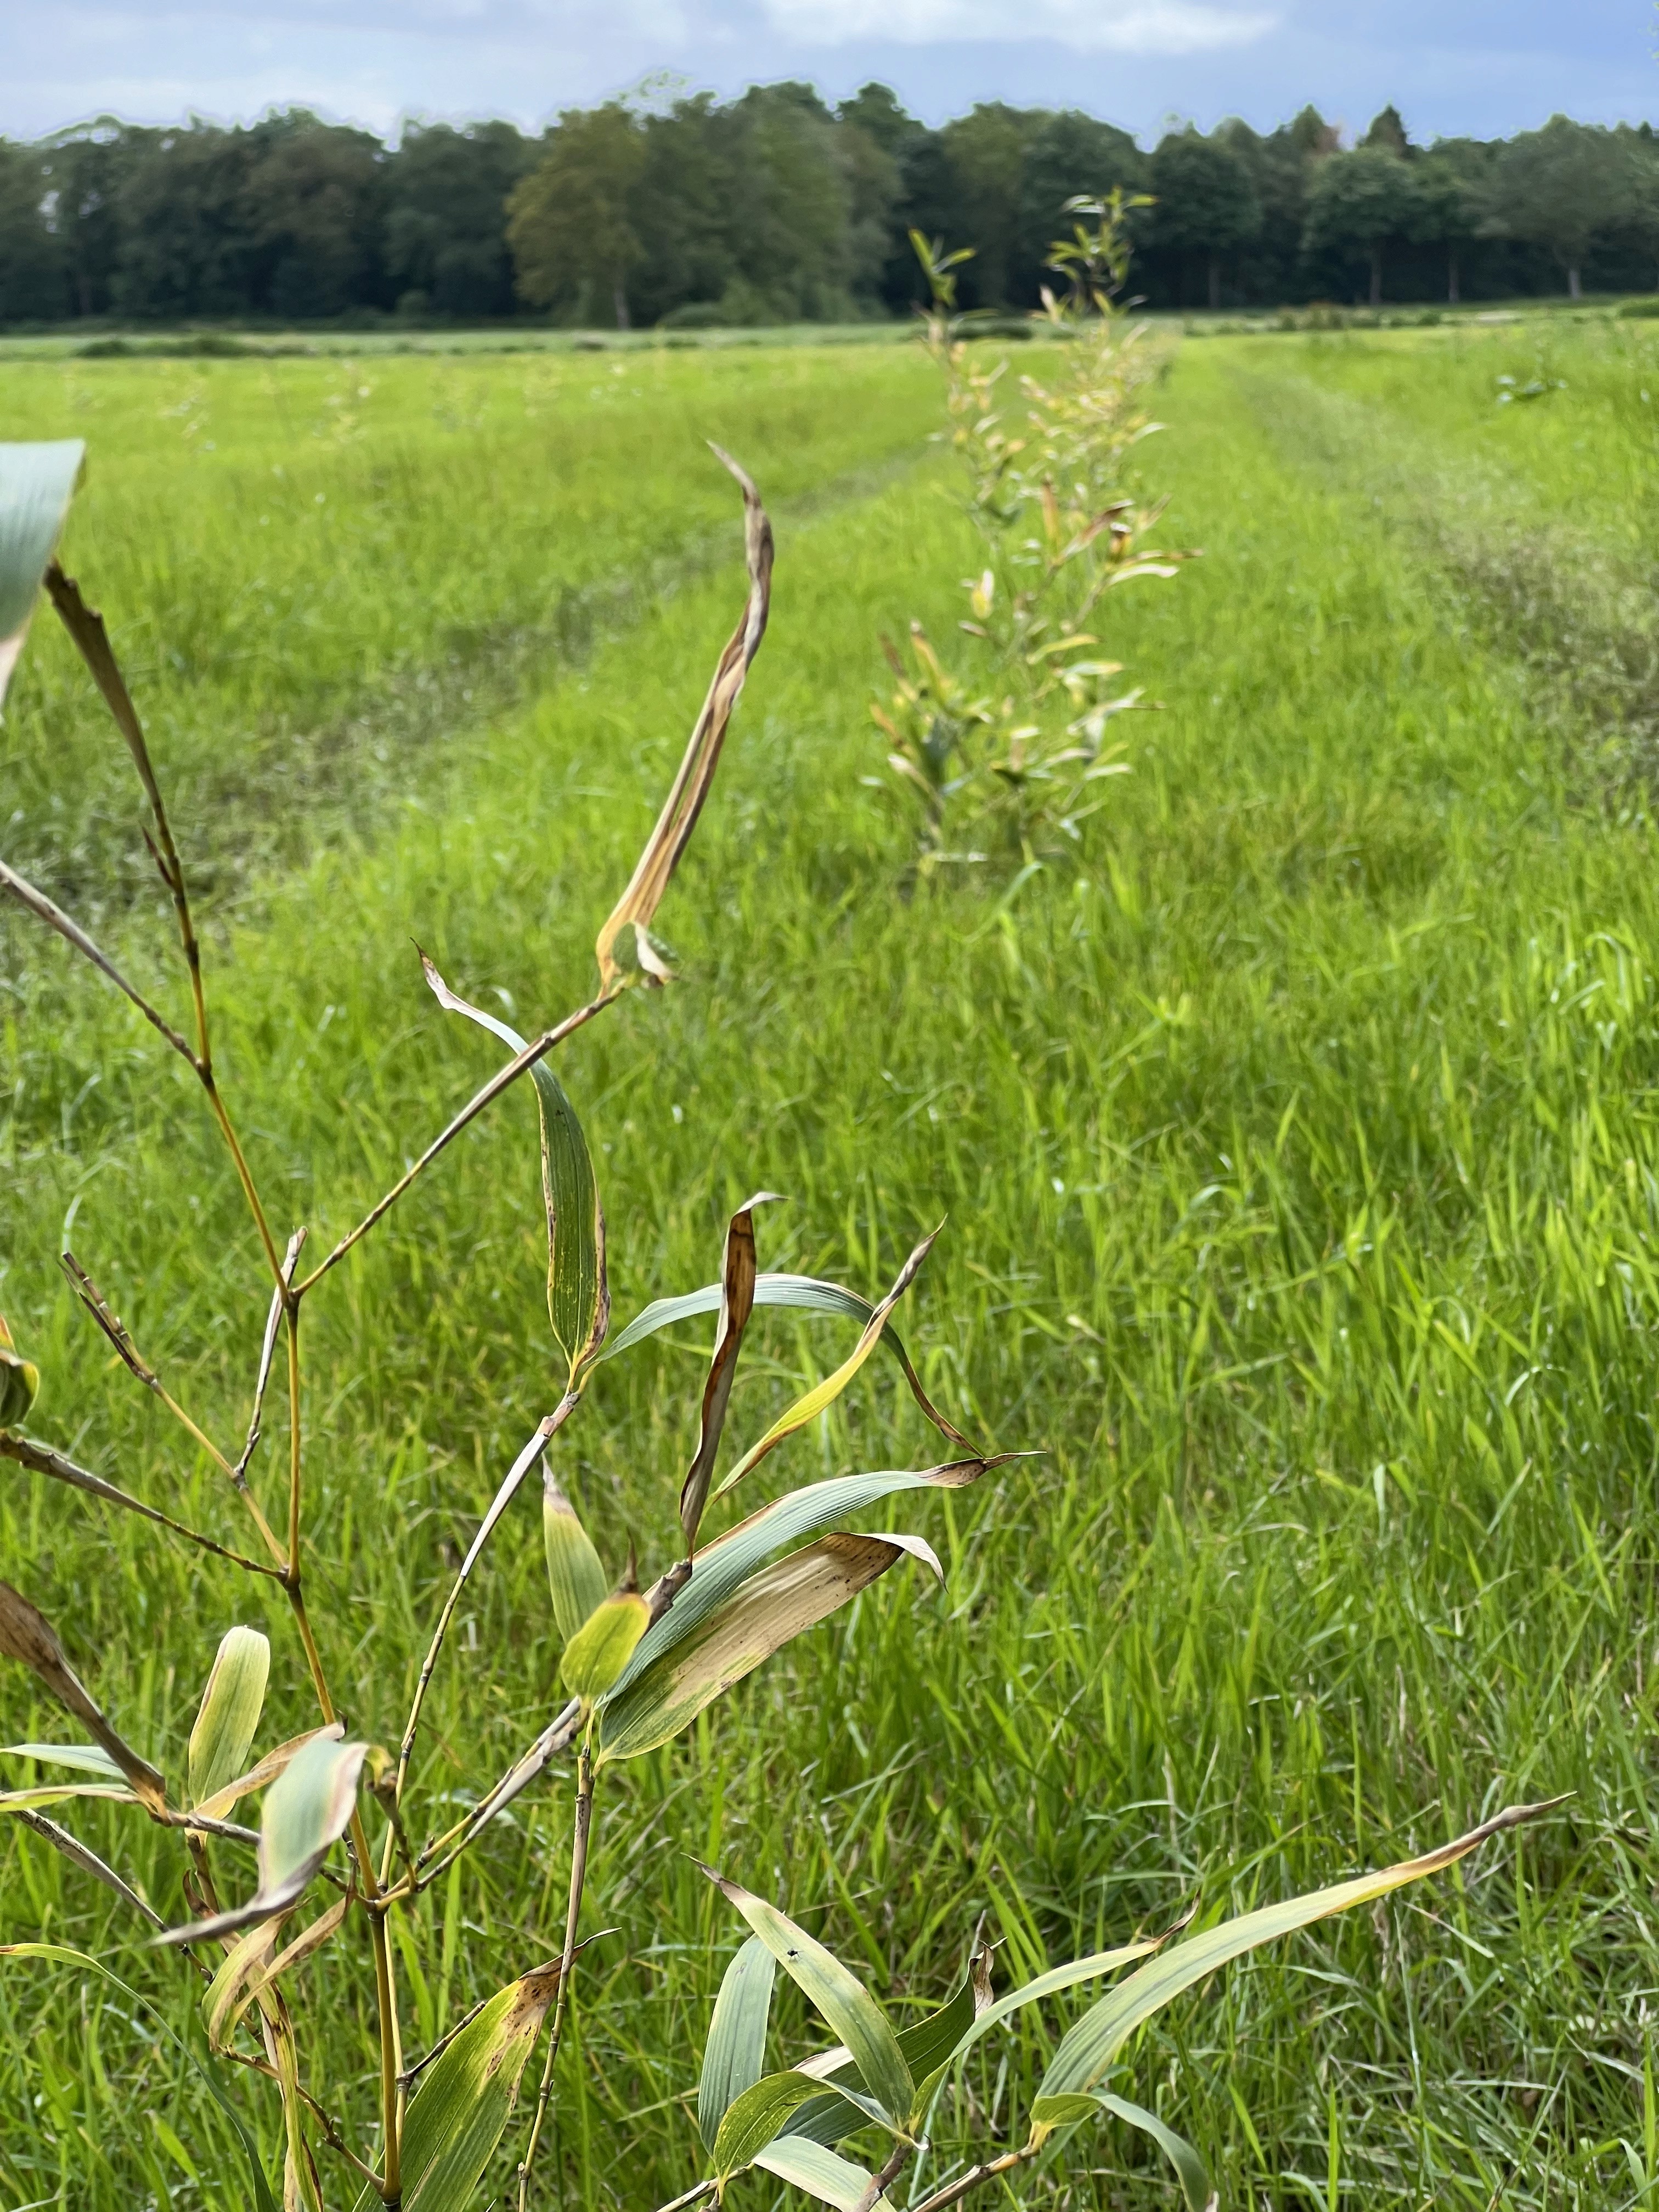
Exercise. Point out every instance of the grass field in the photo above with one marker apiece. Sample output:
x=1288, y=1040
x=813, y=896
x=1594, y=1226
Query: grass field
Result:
x=1298, y=1143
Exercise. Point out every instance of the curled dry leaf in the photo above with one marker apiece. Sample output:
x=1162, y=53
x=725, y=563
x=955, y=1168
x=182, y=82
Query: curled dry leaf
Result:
x=28, y=1635
x=629, y=921
x=738, y=1279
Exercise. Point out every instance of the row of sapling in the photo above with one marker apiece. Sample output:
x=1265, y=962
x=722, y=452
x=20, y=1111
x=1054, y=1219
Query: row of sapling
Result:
x=1006, y=740
x=341, y=1837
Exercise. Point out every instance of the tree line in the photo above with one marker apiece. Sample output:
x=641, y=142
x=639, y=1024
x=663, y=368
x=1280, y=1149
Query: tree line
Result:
x=776, y=207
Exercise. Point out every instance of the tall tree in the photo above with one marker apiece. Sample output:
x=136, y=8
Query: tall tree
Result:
x=185, y=235
x=1557, y=187
x=1068, y=153
x=1387, y=133
x=1453, y=194
x=31, y=271
x=1207, y=202
x=1359, y=201
x=570, y=222
x=88, y=169
x=445, y=216
x=986, y=149
x=313, y=199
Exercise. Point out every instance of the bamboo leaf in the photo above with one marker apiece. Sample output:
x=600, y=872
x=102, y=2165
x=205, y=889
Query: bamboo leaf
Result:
x=79, y=1854
x=307, y=1810
x=734, y=2056
x=809, y=1406
x=928, y=2046
x=321, y=1930
x=774, y=1606
x=1051, y=2112
x=86, y=1758
x=461, y=2109
x=574, y=1574
x=245, y=1956
x=274, y=1763
x=578, y=1294
x=58, y=1793
x=629, y=923
x=759, y=2115
x=839, y=1995
x=804, y=1294
x=1088, y=2048
x=60, y=1954
x=20, y=1378
x=26, y=1635
x=809, y=2166
x=721, y=1568
x=229, y=1715
x=36, y=482
x=602, y=1646
x=736, y=1304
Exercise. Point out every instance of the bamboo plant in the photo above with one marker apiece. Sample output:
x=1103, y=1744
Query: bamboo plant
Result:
x=335, y=1844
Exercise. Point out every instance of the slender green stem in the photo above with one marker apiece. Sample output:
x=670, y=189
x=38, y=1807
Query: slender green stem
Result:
x=578, y=1879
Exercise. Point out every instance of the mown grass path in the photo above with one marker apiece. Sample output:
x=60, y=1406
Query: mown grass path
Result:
x=1298, y=1145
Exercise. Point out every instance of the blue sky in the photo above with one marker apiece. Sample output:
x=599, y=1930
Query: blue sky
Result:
x=1487, y=66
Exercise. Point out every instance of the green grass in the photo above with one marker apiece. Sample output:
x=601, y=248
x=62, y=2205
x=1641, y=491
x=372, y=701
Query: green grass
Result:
x=1300, y=1151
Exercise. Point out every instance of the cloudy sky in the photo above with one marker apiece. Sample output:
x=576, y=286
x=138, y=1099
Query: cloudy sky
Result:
x=1450, y=66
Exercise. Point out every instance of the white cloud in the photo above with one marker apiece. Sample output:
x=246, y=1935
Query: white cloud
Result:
x=1124, y=27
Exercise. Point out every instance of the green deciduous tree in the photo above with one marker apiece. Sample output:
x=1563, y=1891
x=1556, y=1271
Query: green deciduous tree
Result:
x=570, y=222
x=1358, y=202
x=1207, y=202
x=1559, y=186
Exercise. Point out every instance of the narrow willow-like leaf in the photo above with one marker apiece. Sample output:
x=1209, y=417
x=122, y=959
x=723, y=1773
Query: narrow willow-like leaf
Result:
x=461, y=2110
x=36, y=483
x=723, y=1566
x=1088, y=2048
x=824, y=1395
x=602, y=1646
x=776, y=1604
x=629, y=920
x=307, y=1810
x=759, y=2114
x=803, y=1294
x=838, y=1994
x=60, y=1954
x=578, y=1293
x=231, y=1706
x=809, y=2166
x=223, y=1801
x=575, y=1576
x=26, y=1635
x=736, y=1304
x=734, y=2056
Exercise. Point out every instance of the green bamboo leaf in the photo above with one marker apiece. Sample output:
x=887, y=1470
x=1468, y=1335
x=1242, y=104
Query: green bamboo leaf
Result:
x=574, y=1575
x=1051, y=2112
x=734, y=2056
x=760, y=2114
x=60, y=1954
x=58, y=1793
x=578, y=1296
x=601, y=1647
x=775, y=1605
x=807, y=1407
x=307, y=1810
x=721, y=1568
x=802, y=1293
x=929, y=2045
x=36, y=482
x=461, y=2110
x=839, y=1995
x=224, y=1800
x=231, y=1704
x=1088, y=2048
x=809, y=2166
x=88, y=1758
x=1051, y=1983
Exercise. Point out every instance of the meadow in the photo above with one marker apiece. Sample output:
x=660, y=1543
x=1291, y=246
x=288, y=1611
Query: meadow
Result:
x=1297, y=1138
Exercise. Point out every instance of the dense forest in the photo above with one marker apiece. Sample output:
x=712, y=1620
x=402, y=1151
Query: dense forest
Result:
x=775, y=207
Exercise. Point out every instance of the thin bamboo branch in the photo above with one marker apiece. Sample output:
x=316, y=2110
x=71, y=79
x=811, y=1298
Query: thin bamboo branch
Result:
x=954, y=2191
x=267, y=1351
x=492, y=1090
x=70, y=930
x=41, y=1459
x=578, y=1880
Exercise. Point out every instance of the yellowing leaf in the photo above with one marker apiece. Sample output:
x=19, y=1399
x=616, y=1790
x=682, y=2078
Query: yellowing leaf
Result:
x=231, y=1704
x=603, y=1646
x=461, y=2110
x=574, y=1576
